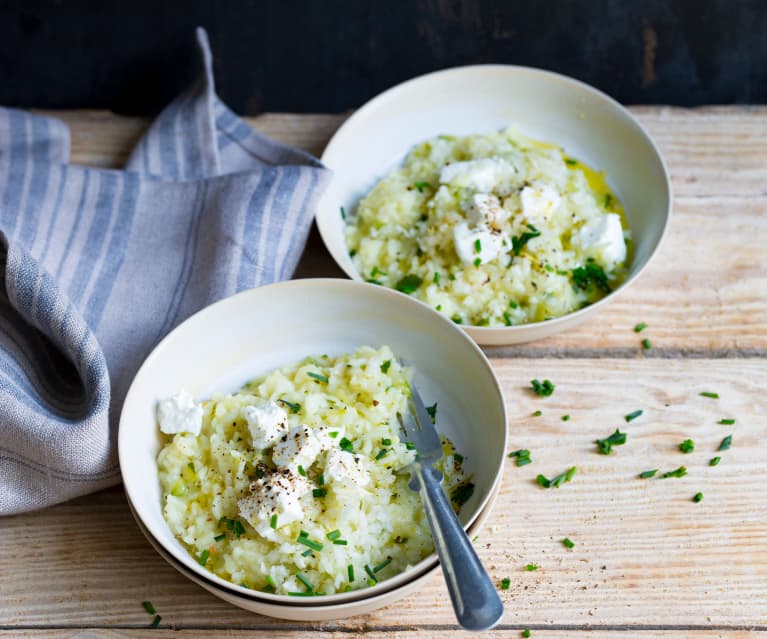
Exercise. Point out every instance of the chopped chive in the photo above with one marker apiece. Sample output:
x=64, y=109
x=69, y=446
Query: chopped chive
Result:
x=507, y=319
x=726, y=422
x=687, y=446
x=273, y=522
x=307, y=552
x=526, y=633
x=505, y=583
x=350, y=572
x=477, y=261
x=294, y=408
x=319, y=492
x=698, y=497
x=203, y=558
x=382, y=565
x=239, y=529
x=353, y=252
x=640, y=327
x=432, y=410
x=421, y=186
x=301, y=471
x=543, y=481
x=679, y=472
x=270, y=581
x=385, y=366
x=523, y=461
x=220, y=537
x=343, y=213
x=333, y=434
x=646, y=344
x=513, y=304
x=409, y=284
x=370, y=574
x=565, y=418
x=531, y=567
x=605, y=446
x=149, y=607
x=571, y=161
x=310, y=543
x=648, y=473
x=305, y=593
x=410, y=445
x=714, y=461
x=156, y=621
x=522, y=452
x=544, y=388
x=317, y=376
x=457, y=319
x=632, y=416
x=340, y=542
x=477, y=245
x=709, y=394
x=321, y=479
x=345, y=444
x=382, y=453
x=537, y=413
x=303, y=533
x=333, y=535
x=309, y=585
x=436, y=278
x=458, y=458
x=725, y=445
x=519, y=242
x=462, y=493
x=557, y=481
x=568, y=543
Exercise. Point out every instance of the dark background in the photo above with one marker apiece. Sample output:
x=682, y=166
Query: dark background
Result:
x=332, y=55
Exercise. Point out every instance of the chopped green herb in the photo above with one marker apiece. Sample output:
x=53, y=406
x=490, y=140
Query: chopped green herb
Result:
x=531, y=567
x=608, y=200
x=370, y=574
x=605, y=446
x=220, y=537
x=590, y=275
x=714, y=461
x=698, y=497
x=522, y=457
x=557, y=481
x=410, y=445
x=507, y=319
x=421, y=186
x=542, y=389
x=709, y=394
x=345, y=444
x=353, y=252
x=273, y=522
x=436, y=278
x=505, y=583
x=343, y=213
x=477, y=246
x=518, y=243
x=679, y=472
x=457, y=319
x=568, y=543
x=307, y=552
x=350, y=572
x=270, y=581
x=462, y=493
x=458, y=458
x=301, y=471
x=477, y=261
x=333, y=434
x=382, y=453
x=203, y=558
x=294, y=408
x=333, y=535
x=385, y=441
x=409, y=284
x=309, y=543
x=523, y=461
x=156, y=621
x=340, y=542
x=725, y=445
x=640, y=327
x=571, y=161
x=537, y=413
x=632, y=416
x=318, y=493
x=565, y=418
x=149, y=607
x=687, y=446
x=726, y=422
x=317, y=376
x=382, y=565
x=309, y=585
x=306, y=593
x=451, y=277
x=646, y=344
x=321, y=479
x=648, y=473
x=432, y=410
x=513, y=304
x=526, y=633
x=374, y=281
x=385, y=366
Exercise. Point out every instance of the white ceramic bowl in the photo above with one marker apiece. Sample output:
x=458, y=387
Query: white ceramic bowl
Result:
x=480, y=99
x=224, y=345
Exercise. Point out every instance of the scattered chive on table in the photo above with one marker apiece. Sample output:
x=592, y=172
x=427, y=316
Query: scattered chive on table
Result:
x=647, y=560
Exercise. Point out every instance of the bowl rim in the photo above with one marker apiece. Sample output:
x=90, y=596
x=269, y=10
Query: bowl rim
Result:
x=428, y=562
x=574, y=316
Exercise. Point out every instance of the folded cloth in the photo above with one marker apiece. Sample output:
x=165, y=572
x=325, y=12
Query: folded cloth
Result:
x=96, y=266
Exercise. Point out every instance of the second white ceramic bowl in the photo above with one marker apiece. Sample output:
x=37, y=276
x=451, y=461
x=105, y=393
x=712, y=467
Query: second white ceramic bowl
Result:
x=479, y=99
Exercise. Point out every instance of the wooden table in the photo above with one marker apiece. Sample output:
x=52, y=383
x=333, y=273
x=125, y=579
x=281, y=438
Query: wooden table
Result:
x=648, y=562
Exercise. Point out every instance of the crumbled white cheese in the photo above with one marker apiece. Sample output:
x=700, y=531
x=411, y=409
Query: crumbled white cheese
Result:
x=267, y=422
x=278, y=493
x=539, y=202
x=467, y=240
x=482, y=175
x=179, y=414
x=298, y=447
x=346, y=468
x=604, y=234
x=483, y=209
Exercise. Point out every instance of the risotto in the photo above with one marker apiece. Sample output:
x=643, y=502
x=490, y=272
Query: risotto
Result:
x=492, y=230
x=292, y=485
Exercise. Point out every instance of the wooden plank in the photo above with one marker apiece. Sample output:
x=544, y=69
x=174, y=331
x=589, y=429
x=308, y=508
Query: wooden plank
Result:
x=645, y=554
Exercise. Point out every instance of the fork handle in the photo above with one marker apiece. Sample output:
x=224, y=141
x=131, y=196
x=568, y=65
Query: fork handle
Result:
x=474, y=597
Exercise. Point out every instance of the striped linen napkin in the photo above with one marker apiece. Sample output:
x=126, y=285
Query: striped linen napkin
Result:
x=96, y=266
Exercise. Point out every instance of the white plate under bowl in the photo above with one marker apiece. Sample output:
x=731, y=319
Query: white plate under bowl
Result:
x=232, y=341
x=480, y=99
x=305, y=609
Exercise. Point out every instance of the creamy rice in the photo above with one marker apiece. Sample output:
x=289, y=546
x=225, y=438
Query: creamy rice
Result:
x=492, y=230
x=355, y=504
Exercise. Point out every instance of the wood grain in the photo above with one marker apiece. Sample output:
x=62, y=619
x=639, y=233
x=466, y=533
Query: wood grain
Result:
x=645, y=554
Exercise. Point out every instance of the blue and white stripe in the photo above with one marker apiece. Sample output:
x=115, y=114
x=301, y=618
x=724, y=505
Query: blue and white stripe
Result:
x=96, y=266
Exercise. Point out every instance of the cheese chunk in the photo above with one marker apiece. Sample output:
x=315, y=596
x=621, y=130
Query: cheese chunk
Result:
x=298, y=447
x=346, y=468
x=179, y=414
x=477, y=243
x=278, y=493
x=539, y=202
x=483, y=209
x=605, y=236
x=267, y=422
x=481, y=175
